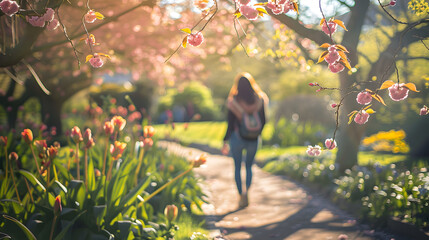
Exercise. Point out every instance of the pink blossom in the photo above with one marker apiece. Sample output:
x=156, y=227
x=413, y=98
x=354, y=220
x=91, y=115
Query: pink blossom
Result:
x=361, y=117
x=332, y=57
x=53, y=25
x=332, y=27
x=195, y=39
x=330, y=144
x=90, y=16
x=314, y=151
x=336, y=67
x=343, y=237
x=243, y=2
x=392, y=3
x=9, y=7
x=49, y=15
x=36, y=21
x=398, y=92
x=364, y=98
x=334, y=105
x=250, y=12
x=287, y=6
x=96, y=62
x=276, y=8
x=424, y=111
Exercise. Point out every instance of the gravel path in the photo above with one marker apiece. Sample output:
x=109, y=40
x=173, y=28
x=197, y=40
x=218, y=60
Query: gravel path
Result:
x=279, y=208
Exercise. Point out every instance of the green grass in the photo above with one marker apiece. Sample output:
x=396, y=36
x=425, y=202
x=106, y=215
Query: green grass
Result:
x=209, y=133
x=212, y=133
x=188, y=224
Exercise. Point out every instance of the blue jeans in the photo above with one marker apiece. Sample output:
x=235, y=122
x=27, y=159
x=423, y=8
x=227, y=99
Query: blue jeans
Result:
x=237, y=145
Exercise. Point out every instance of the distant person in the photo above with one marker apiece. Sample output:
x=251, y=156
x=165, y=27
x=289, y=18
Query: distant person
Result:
x=246, y=119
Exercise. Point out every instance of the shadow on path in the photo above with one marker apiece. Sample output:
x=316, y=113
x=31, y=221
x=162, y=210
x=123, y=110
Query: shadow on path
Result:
x=279, y=208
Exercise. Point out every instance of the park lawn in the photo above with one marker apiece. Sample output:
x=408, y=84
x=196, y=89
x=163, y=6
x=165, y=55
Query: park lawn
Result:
x=212, y=133
x=208, y=133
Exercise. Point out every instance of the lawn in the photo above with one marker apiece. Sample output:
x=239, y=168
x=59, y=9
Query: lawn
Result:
x=212, y=133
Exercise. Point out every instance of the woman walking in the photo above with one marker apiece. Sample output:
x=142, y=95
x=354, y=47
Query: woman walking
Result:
x=246, y=119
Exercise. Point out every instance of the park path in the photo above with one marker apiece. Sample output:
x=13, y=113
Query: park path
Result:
x=279, y=208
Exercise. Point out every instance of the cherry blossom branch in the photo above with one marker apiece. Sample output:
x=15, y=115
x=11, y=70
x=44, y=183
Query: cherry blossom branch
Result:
x=326, y=22
x=238, y=35
x=388, y=14
x=207, y=22
x=67, y=36
x=105, y=22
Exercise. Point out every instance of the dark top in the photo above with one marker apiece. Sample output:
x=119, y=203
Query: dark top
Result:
x=233, y=122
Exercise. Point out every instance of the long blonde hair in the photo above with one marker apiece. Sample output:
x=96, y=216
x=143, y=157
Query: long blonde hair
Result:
x=234, y=89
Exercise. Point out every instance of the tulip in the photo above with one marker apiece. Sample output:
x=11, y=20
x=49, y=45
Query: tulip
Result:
x=76, y=135
x=171, y=212
x=202, y=159
x=148, y=131
x=27, y=135
x=108, y=128
x=118, y=123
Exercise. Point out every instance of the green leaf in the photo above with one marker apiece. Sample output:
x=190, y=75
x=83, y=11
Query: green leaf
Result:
x=124, y=229
x=91, y=175
x=61, y=169
x=132, y=195
x=33, y=180
x=60, y=186
x=27, y=231
x=99, y=212
x=63, y=233
x=77, y=192
x=17, y=206
x=4, y=236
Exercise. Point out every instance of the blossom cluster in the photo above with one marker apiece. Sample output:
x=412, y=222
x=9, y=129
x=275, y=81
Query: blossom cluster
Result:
x=335, y=56
x=47, y=19
x=9, y=7
x=281, y=6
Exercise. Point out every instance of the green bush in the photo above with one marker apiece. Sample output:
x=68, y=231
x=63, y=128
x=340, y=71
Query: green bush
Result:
x=286, y=133
x=195, y=96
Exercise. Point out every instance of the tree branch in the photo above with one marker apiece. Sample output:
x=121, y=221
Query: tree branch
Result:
x=383, y=66
x=149, y=3
x=315, y=35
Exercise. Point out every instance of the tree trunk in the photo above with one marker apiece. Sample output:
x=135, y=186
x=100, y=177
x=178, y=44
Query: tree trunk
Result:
x=51, y=112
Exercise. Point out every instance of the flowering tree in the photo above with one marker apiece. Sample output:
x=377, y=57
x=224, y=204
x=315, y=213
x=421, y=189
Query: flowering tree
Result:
x=138, y=45
x=144, y=59
x=381, y=69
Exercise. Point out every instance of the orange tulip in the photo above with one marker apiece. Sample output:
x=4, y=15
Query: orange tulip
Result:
x=27, y=135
